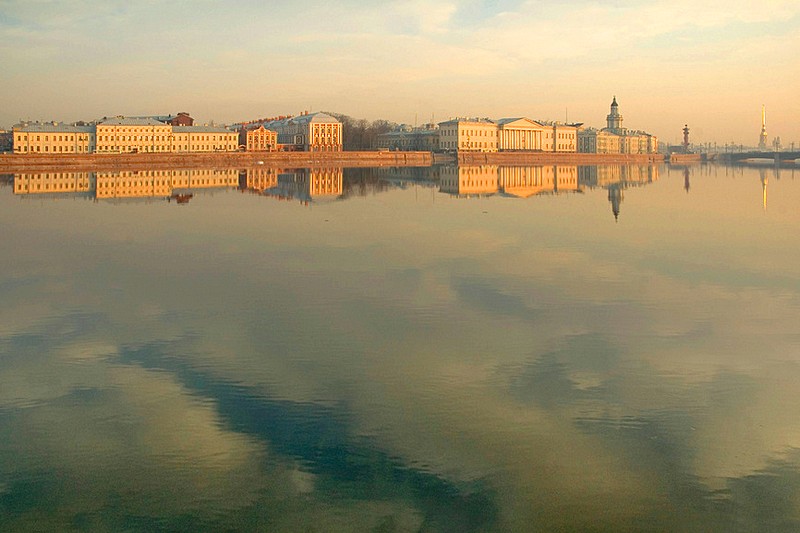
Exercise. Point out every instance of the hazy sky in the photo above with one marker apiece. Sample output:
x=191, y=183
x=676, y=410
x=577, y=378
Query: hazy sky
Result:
x=711, y=64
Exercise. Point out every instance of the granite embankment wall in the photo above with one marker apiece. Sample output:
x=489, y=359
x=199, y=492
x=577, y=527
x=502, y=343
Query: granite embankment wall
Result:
x=37, y=162
x=28, y=162
x=550, y=158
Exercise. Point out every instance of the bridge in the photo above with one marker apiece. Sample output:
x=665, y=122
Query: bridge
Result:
x=777, y=157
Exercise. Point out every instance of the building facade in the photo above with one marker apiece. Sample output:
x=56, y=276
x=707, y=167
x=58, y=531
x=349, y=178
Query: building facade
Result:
x=560, y=137
x=468, y=135
x=422, y=139
x=614, y=138
x=53, y=138
x=308, y=132
x=121, y=135
x=519, y=134
x=258, y=139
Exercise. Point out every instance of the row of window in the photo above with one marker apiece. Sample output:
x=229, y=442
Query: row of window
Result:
x=22, y=138
x=56, y=149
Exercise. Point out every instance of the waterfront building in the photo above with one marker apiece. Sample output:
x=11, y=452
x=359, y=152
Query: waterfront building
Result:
x=519, y=134
x=616, y=139
x=204, y=139
x=468, y=135
x=6, y=141
x=52, y=138
x=309, y=132
x=258, y=139
x=484, y=135
x=121, y=135
x=560, y=137
x=424, y=139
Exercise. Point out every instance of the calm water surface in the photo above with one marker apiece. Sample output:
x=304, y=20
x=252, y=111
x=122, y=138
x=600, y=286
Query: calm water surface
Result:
x=474, y=349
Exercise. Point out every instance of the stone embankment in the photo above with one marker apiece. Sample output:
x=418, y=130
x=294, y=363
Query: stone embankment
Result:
x=21, y=163
x=550, y=158
x=39, y=162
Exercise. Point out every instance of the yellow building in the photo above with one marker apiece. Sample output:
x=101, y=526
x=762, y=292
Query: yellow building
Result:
x=521, y=134
x=258, y=139
x=310, y=132
x=203, y=139
x=52, y=138
x=120, y=135
x=614, y=139
x=559, y=137
x=593, y=141
x=468, y=135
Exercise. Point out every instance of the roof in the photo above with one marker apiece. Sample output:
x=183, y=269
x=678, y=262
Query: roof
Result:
x=201, y=129
x=468, y=121
x=504, y=121
x=130, y=121
x=50, y=127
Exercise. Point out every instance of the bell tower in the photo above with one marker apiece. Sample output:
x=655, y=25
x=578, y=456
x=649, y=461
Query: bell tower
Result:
x=762, y=139
x=614, y=119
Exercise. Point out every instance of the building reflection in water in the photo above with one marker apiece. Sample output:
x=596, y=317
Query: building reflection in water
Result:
x=521, y=182
x=305, y=185
x=309, y=185
x=615, y=179
x=166, y=184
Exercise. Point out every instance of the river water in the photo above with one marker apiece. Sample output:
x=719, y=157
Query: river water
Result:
x=448, y=349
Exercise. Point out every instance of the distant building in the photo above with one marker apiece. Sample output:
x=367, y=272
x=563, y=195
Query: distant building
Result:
x=130, y=135
x=614, y=138
x=424, y=138
x=119, y=135
x=204, y=139
x=519, y=134
x=258, y=139
x=53, y=138
x=6, y=141
x=560, y=137
x=309, y=132
x=762, y=138
x=468, y=135
x=183, y=119
x=484, y=135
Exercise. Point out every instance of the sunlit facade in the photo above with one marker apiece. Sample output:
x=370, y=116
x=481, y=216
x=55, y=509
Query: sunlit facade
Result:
x=559, y=137
x=614, y=139
x=519, y=134
x=309, y=132
x=53, y=138
x=258, y=139
x=121, y=135
x=468, y=135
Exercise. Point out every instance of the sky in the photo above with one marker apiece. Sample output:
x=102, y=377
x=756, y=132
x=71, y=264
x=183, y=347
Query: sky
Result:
x=710, y=64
